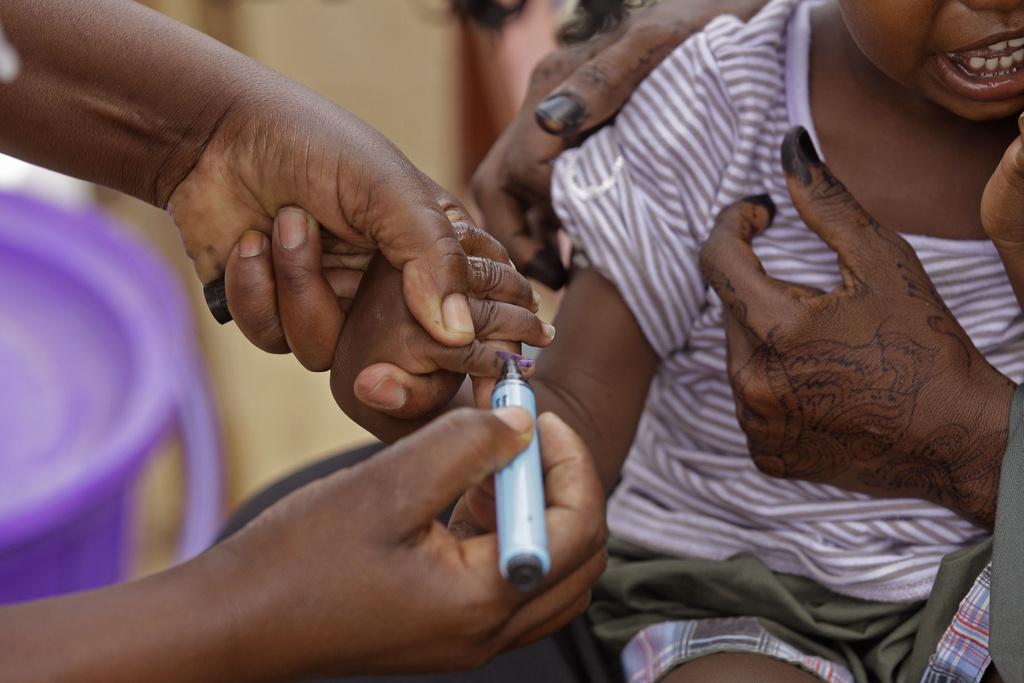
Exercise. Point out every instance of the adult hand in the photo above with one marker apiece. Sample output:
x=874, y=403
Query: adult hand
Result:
x=224, y=144
x=385, y=364
x=296, y=296
x=873, y=386
x=290, y=147
x=353, y=574
x=572, y=92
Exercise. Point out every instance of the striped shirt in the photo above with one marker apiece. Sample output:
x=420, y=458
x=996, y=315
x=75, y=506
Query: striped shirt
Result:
x=640, y=198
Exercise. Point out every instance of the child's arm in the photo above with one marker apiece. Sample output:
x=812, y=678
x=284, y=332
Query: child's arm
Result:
x=595, y=375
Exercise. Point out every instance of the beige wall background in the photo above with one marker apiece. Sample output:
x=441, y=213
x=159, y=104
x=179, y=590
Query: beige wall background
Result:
x=392, y=62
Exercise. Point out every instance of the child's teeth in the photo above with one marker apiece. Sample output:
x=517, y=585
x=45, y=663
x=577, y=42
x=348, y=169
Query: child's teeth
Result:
x=998, y=46
x=1018, y=56
x=1005, y=62
x=991, y=64
x=978, y=63
x=1016, y=42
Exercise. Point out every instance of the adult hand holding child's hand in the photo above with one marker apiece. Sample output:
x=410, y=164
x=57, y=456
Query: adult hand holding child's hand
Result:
x=873, y=386
x=387, y=365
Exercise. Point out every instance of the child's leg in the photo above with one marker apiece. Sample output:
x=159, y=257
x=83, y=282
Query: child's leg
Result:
x=739, y=668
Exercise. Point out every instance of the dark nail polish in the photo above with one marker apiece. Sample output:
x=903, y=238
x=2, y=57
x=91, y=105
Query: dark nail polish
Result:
x=798, y=154
x=765, y=201
x=807, y=150
x=560, y=114
x=546, y=267
x=217, y=301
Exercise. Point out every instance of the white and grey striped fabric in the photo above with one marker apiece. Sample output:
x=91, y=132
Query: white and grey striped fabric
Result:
x=640, y=198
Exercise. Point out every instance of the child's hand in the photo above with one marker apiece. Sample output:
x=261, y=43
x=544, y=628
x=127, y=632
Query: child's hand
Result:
x=381, y=332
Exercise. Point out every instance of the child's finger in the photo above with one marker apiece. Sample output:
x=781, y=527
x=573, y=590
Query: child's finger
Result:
x=391, y=390
x=343, y=282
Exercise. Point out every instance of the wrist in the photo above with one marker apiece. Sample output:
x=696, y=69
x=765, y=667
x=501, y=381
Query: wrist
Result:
x=244, y=617
x=210, y=121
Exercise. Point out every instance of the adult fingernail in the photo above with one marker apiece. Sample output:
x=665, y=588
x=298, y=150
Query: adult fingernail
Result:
x=516, y=418
x=292, y=228
x=546, y=267
x=560, y=113
x=387, y=394
x=251, y=244
x=456, y=315
x=806, y=147
x=549, y=331
x=798, y=154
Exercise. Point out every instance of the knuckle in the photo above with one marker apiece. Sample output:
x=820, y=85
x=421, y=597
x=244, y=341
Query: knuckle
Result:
x=478, y=359
x=487, y=316
x=769, y=463
x=551, y=66
x=295, y=277
x=596, y=74
x=487, y=276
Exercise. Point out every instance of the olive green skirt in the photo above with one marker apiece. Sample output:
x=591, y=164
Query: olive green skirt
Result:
x=875, y=641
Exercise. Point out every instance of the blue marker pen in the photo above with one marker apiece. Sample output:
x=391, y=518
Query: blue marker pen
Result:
x=519, y=495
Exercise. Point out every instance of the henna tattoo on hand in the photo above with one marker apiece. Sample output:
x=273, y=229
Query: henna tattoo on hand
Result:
x=838, y=402
x=853, y=415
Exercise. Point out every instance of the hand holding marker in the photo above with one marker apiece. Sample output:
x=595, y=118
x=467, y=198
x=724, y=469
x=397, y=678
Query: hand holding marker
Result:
x=519, y=494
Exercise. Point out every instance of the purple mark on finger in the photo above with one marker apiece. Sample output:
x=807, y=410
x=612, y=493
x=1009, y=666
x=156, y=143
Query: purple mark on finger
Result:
x=522, y=362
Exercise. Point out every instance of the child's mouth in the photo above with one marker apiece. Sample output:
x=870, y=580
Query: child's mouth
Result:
x=988, y=73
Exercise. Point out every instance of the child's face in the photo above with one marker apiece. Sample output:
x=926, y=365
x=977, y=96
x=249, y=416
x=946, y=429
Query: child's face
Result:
x=965, y=55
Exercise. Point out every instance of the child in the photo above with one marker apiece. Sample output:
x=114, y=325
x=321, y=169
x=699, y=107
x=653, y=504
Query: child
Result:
x=912, y=104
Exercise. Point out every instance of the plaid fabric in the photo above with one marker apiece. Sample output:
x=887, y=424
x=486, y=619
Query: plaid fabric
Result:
x=660, y=648
x=962, y=655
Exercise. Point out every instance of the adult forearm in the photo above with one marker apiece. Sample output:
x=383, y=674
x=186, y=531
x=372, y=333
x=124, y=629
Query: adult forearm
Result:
x=175, y=626
x=115, y=93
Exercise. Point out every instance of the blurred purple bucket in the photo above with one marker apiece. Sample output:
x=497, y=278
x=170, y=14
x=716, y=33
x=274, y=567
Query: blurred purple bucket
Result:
x=98, y=365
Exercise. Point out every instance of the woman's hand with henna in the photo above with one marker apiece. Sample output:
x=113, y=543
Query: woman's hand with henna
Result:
x=573, y=91
x=873, y=386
